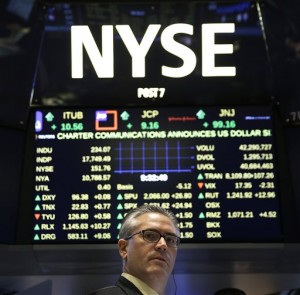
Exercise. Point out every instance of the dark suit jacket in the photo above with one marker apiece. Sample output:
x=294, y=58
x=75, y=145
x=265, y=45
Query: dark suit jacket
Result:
x=123, y=286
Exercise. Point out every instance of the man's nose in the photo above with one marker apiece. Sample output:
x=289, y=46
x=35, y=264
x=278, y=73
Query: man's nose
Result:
x=161, y=244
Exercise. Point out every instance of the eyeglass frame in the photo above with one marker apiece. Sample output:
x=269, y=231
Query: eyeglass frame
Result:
x=156, y=231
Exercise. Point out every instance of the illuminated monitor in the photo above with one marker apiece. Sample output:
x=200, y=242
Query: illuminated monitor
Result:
x=140, y=53
x=214, y=167
x=112, y=127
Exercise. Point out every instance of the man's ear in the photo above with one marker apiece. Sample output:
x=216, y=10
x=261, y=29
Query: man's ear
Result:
x=122, y=244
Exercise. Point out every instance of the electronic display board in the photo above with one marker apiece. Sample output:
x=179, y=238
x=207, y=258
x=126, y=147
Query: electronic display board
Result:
x=119, y=52
x=214, y=167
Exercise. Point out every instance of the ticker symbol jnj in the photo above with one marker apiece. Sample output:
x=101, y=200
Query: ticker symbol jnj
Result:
x=227, y=113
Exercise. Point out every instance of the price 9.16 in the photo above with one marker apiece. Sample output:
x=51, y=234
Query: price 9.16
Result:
x=149, y=125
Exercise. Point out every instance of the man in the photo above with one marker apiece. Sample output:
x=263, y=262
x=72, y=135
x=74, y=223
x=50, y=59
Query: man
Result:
x=149, y=238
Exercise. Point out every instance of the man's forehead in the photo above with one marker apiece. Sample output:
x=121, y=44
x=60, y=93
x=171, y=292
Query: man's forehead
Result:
x=153, y=216
x=154, y=219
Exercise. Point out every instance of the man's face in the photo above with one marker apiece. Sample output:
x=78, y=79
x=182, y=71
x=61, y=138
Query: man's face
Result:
x=145, y=260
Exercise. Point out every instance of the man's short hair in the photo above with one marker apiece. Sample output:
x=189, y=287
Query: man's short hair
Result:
x=128, y=226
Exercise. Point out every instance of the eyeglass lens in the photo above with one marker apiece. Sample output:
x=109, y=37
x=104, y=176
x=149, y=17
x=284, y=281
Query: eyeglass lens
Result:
x=154, y=236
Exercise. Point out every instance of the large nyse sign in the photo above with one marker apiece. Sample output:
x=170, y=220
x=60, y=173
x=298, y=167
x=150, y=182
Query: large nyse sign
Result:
x=103, y=60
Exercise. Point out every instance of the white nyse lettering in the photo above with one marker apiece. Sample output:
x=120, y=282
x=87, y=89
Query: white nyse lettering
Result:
x=81, y=36
x=138, y=51
x=209, y=49
x=183, y=52
x=103, y=62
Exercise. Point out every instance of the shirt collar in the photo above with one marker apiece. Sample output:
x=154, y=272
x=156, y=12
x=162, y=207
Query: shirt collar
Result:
x=143, y=287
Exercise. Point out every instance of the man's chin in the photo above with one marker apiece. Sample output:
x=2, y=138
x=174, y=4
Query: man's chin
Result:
x=159, y=267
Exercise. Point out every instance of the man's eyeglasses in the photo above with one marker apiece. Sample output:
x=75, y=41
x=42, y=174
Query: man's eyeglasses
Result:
x=153, y=236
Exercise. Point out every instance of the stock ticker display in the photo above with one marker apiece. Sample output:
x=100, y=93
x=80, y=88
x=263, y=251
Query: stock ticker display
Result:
x=214, y=167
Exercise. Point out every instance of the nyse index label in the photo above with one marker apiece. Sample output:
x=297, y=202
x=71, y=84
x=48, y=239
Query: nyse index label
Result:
x=213, y=167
